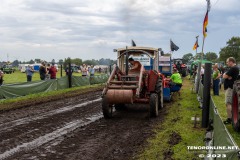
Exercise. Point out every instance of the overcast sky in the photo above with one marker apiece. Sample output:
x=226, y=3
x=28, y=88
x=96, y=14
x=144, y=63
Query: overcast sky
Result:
x=91, y=29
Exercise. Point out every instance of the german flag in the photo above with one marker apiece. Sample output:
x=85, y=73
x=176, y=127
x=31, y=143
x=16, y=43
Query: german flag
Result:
x=195, y=45
x=205, y=23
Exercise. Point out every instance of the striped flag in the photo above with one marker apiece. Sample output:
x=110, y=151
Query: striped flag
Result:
x=195, y=45
x=205, y=23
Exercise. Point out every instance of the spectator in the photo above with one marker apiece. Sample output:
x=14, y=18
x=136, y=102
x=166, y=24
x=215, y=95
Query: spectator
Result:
x=1, y=77
x=43, y=71
x=47, y=69
x=91, y=71
x=29, y=72
x=216, y=80
x=230, y=76
x=84, y=70
x=67, y=71
x=221, y=68
x=52, y=71
x=178, y=66
x=202, y=73
x=176, y=79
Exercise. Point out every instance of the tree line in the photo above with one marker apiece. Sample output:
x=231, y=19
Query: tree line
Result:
x=76, y=61
x=232, y=49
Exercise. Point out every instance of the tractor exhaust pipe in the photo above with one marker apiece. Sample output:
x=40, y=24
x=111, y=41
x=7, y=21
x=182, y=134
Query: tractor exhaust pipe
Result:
x=126, y=61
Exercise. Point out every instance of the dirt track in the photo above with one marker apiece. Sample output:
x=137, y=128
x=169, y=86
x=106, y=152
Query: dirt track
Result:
x=74, y=129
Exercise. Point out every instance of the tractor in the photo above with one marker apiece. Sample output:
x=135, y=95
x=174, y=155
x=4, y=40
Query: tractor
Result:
x=181, y=67
x=236, y=105
x=127, y=87
x=165, y=67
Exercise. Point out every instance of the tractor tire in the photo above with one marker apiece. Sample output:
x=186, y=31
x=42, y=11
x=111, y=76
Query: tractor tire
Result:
x=153, y=105
x=236, y=106
x=106, y=108
x=119, y=107
x=159, y=91
x=184, y=72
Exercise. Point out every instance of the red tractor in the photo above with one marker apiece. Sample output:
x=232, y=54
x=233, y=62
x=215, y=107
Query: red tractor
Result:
x=126, y=87
x=236, y=105
x=181, y=67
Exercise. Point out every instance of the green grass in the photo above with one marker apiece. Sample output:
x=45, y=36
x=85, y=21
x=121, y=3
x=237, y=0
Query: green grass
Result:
x=19, y=77
x=42, y=97
x=220, y=104
x=177, y=120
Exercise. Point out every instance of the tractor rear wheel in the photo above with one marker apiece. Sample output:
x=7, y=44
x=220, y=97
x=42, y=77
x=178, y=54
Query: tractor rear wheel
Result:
x=159, y=90
x=235, y=106
x=106, y=108
x=153, y=105
x=184, y=72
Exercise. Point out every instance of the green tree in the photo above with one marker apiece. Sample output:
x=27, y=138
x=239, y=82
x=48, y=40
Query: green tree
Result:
x=37, y=60
x=187, y=57
x=231, y=50
x=199, y=56
x=60, y=61
x=77, y=61
x=90, y=62
x=211, y=56
x=31, y=61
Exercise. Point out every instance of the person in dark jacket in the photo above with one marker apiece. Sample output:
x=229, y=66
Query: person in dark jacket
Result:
x=42, y=71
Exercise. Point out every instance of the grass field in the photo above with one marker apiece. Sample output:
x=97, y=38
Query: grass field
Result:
x=19, y=77
x=177, y=125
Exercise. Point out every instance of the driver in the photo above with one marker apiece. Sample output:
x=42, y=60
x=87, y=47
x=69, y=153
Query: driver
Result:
x=136, y=65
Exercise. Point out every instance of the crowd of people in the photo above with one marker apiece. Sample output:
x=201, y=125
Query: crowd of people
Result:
x=47, y=71
x=226, y=77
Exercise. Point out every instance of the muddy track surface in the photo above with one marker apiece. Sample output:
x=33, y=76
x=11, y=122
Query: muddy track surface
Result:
x=74, y=129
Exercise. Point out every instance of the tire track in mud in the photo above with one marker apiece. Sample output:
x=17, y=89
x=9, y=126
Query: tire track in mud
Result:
x=80, y=133
x=31, y=132
x=26, y=120
x=69, y=127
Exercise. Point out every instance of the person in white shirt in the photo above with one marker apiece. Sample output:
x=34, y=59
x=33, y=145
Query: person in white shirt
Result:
x=202, y=73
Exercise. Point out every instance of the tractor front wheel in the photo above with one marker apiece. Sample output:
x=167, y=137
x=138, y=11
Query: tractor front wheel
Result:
x=106, y=108
x=154, y=105
x=235, y=106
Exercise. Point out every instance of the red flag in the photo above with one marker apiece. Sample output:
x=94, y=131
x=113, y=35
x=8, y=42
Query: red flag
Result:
x=205, y=23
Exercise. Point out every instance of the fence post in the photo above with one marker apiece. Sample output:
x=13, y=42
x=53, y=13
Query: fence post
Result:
x=206, y=94
x=61, y=69
x=69, y=73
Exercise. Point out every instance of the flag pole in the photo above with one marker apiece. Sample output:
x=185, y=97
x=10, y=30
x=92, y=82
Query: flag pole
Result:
x=202, y=48
x=200, y=63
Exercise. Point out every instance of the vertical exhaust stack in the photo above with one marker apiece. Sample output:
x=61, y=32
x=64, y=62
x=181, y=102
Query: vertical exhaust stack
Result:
x=126, y=69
